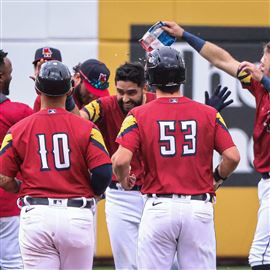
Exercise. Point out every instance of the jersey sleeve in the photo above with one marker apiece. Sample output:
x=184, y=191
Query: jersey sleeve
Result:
x=93, y=109
x=128, y=136
x=97, y=153
x=248, y=82
x=9, y=162
x=223, y=139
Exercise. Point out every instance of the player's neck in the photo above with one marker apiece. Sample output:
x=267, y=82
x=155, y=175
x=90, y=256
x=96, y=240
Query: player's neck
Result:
x=53, y=102
x=161, y=94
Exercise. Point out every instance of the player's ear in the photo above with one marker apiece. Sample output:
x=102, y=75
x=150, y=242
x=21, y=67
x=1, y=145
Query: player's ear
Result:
x=145, y=88
x=76, y=78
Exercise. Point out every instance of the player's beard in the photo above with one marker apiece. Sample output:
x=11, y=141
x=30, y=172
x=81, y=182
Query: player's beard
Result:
x=132, y=104
x=77, y=94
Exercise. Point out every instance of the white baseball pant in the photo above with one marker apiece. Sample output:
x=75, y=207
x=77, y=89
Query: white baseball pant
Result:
x=260, y=249
x=123, y=215
x=56, y=237
x=179, y=225
x=10, y=255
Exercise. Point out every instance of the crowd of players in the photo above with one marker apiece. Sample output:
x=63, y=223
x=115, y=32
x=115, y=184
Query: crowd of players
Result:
x=156, y=206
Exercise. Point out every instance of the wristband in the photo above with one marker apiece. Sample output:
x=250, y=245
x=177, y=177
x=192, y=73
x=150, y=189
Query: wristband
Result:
x=217, y=176
x=70, y=103
x=194, y=41
x=265, y=81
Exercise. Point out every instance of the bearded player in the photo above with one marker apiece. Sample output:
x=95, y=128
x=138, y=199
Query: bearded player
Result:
x=123, y=208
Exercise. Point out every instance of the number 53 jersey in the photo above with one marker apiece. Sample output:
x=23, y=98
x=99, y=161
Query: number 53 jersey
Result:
x=176, y=138
x=54, y=151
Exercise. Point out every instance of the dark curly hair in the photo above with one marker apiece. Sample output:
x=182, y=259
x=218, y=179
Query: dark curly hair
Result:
x=76, y=68
x=133, y=72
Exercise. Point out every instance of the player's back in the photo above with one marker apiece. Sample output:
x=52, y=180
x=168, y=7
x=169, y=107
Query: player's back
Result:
x=178, y=138
x=59, y=142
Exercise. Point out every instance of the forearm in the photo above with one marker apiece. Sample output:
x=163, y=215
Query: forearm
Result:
x=220, y=58
x=212, y=53
x=229, y=162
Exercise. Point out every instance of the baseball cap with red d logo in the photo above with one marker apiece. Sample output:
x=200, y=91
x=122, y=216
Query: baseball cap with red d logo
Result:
x=47, y=53
x=95, y=75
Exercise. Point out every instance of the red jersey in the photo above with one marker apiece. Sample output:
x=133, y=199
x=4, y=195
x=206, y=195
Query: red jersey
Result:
x=108, y=116
x=261, y=136
x=176, y=138
x=10, y=113
x=54, y=150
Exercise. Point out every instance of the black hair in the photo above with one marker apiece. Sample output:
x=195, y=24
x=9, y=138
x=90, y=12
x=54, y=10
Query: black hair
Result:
x=133, y=72
x=170, y=89
x=2, y=56
x=76, y=68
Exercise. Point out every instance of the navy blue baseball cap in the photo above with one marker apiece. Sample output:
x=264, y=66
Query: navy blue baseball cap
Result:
x=95, y=75
x=47, y=53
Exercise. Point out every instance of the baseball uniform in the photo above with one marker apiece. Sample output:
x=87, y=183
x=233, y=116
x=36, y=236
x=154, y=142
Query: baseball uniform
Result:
x=177, y=156
x=123, y=208
x=260, y=249
x=56, y=227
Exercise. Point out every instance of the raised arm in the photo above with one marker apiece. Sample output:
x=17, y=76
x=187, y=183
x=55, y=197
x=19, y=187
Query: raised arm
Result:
x=211, y=52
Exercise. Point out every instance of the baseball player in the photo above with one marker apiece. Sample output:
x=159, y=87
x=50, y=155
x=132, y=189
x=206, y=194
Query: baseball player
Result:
x=87, y=78
x=43, y=55
x=257, y=81
x=10, y=113
x=123, y=208
x=86, y=87
x=57, y=191
x=177, y=155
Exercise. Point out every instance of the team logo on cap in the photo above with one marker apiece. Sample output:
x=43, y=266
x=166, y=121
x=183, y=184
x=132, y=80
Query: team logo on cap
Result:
x=46, y=52
x=102, y=77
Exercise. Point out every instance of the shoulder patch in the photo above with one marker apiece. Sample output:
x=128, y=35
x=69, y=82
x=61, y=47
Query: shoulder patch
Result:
x=97, y=140
x=221, y=121
x=244, y=77
x=7, y=142
x=128, y=124
x=94, y=110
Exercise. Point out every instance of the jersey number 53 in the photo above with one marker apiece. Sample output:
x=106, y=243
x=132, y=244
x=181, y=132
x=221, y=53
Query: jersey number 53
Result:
x=167, y=139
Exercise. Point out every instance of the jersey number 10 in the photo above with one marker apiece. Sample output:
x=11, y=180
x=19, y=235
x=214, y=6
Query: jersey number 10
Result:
x=60, y=151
